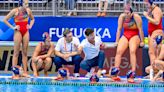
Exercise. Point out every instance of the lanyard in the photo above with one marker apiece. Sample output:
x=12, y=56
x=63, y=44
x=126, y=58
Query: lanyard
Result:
x=65, y=47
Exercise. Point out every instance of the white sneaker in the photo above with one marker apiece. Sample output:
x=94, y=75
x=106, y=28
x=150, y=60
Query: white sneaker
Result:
x=88, y=75
x=76, y=75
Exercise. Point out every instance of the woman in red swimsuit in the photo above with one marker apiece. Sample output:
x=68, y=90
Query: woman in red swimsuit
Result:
x=41, y=59
x=132, y=24
x=21, y=34
x=154, y=15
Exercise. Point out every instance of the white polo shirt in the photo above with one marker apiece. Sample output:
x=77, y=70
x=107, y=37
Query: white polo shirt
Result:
x=90, y=50
x=65, y=47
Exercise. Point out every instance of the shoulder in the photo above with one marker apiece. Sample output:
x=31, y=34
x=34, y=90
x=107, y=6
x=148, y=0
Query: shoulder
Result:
x=122, y=15
x=28, y=9
x=137, y=17
x=75, y=38
x=84, y=41
x=52, y=43
x=97, y=38
x=61, y=39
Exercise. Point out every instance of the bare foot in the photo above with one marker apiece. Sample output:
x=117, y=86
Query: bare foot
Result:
x=25, y=75
x=131, y=80
x=16, y=77
x=35, y=74
x=116, y=78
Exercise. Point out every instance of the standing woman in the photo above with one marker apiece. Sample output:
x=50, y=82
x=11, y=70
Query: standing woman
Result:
x=132, y=24
x=21, y=31
x=154, y=15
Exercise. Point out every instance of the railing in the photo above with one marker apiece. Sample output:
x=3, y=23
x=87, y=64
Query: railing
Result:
x=80, y=7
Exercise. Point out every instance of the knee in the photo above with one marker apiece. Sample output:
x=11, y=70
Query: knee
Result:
x=102, y=54
x=147, y=70
x=83, y=64
x=77, y=58
x=151, y=52
x=24, y=53
x=40, y=61
x=57, y=60
x=119, y=52
x=16, y=53
x=48, y=59
x=34, y=60
x=132, y=52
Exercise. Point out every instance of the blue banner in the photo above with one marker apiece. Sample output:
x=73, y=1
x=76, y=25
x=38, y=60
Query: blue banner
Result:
x=105, y=27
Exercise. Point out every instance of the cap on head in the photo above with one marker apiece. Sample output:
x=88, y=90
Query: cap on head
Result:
x=149, y=1
x=63, y=72
x=17, y=70
x=20, y=2
x=45, y=36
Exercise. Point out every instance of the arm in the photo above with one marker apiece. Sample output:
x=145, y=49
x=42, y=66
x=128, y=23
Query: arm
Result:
x=31, y=17
x=80, y=49
x=119, y=28
x=157, y=16
x=139, y=26
x=36, y=53
x=157, y=75
x=8, y=16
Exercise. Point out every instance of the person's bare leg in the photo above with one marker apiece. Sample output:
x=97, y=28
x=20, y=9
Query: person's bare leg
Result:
x=122, y=46
x=24, y=51
x=151, y=50
x=36, y=65
x=17, y=43
x=105, y=8
x=99, y=8
x=133, y=46
x=48, y=63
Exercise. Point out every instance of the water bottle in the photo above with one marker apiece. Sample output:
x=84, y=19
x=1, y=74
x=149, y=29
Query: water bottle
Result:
x=151, y=74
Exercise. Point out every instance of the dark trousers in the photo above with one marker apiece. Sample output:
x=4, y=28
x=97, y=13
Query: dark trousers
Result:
x=75, y=61
x=97, y=61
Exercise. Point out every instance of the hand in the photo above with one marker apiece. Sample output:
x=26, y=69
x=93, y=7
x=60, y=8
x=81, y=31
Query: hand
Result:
x=103, y=46
x=145, y=14
x=17, y=27
x=142, y=44
x=66, y=56
x=28, y=27
x=116, y=44
x=153, y=64
x=76, y=46
x=37, y=58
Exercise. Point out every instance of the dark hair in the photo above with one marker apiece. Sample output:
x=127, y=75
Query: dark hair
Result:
x=67, y=31
x=88, y=31
x=150, y=1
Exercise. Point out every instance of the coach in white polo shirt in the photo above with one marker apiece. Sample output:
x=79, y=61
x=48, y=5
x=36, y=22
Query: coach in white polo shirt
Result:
x=66, y=52
x=93, y=55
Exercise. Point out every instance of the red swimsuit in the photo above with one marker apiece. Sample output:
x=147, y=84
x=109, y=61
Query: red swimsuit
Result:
x=22, y=20
x=130, y=28
x=44, y=50
x=153, y=27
